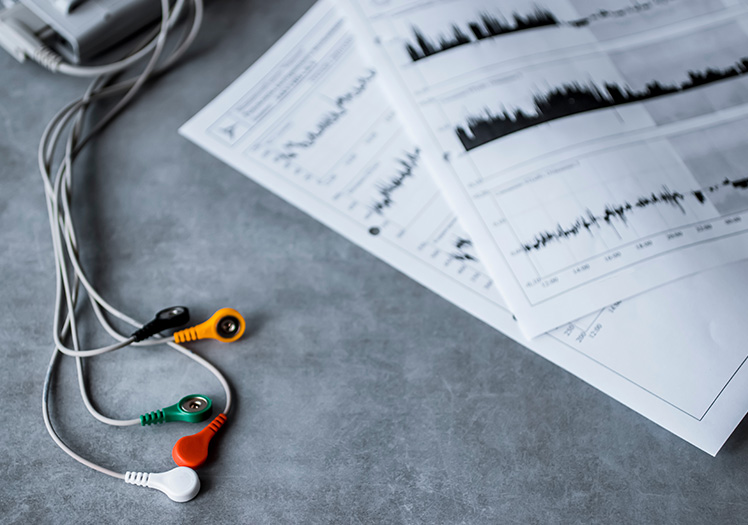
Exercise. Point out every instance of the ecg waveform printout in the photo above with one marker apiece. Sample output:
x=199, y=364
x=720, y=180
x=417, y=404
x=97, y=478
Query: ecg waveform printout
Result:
x=588, y=147
x=310, y=122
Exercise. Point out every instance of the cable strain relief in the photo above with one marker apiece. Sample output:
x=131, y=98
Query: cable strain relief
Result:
x=146, y=331
x=47, y=58
x=153, y=418
x=186, y=335
x=137, y=478
x=217, y=423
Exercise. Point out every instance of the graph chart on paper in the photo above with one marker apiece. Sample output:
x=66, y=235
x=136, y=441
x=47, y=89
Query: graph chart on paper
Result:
x=363, y=187
x=575, y=220
x=547, y=108
x=491, y=23
x=375, y=177
x=444, y=39
x=449, y=245
x=568, y=99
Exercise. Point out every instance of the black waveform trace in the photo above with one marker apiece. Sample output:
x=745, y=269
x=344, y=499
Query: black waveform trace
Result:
x=490, y=25
x=405, y=171
x=463, y=247
x=486, y=27
x=341, y=104
x=575, y=98
x=740, y=184
x=608, y=14
x=618, y=213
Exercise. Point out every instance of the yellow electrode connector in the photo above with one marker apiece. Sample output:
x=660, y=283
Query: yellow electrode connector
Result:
x=226, y=325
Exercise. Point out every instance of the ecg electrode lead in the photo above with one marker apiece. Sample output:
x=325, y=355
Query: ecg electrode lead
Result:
x=166, y=319
x=192, y=451
x=226, y=325
x=190, y=409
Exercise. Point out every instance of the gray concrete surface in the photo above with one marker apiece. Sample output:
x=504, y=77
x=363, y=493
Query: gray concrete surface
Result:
x=361, y=396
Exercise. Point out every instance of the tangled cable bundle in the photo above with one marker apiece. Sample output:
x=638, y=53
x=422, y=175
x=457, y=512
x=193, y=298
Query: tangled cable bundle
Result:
x=67, y=130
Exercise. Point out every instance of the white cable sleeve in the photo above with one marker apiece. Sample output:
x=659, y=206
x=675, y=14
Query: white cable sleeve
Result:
x=53, y=434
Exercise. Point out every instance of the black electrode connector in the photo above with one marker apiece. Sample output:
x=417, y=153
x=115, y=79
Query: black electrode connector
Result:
x=168, y=318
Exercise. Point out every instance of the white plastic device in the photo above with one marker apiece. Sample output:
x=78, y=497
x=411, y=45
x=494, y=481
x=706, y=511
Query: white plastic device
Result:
x=83, y=29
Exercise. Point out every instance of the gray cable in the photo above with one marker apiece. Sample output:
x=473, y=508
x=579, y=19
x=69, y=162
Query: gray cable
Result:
x=57, y=190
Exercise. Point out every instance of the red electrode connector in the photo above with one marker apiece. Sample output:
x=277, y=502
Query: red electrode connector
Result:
x=192, y=451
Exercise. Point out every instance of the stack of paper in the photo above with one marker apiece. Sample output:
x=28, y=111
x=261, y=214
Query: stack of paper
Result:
x=581, y=165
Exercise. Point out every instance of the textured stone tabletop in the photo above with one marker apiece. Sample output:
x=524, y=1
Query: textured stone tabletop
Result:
x=361, y=397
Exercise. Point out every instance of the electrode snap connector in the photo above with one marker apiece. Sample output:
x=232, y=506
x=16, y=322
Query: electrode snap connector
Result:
x=179, y=484
x=189, y=409
x=166, y=319
x=226, y=325
x=192, y=451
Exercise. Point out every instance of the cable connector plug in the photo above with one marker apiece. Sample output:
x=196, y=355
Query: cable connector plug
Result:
x=180, y=484
x=226, y=325
x=166, y=319
x=190, y=409
x=192, y=451
x=19, y=28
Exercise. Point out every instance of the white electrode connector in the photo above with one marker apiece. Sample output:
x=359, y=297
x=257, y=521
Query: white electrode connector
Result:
x=180, y=484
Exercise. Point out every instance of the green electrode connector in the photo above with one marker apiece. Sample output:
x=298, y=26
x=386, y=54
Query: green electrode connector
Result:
x=190, y=409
